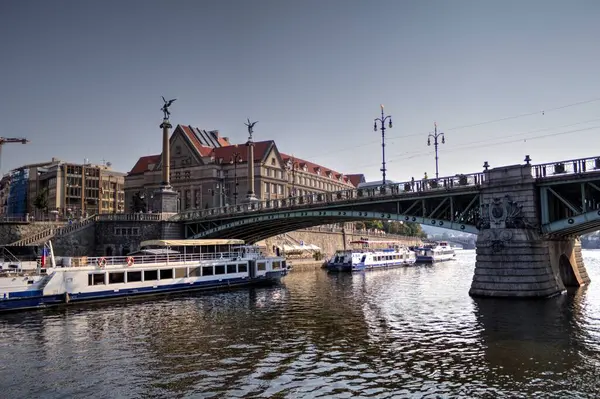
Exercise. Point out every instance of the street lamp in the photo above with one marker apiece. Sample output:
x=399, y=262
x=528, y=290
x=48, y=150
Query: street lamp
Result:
x=292, y=166
x=235, y=159
x=435, y=136
x=382, y=128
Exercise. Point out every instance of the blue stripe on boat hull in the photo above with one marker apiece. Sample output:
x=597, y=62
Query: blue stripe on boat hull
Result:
x=360, y=267
x=14, y=304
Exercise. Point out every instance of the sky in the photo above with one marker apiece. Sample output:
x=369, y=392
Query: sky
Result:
x=84, y=79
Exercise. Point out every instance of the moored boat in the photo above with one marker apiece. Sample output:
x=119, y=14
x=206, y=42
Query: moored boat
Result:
x=160, y=267
x=435, y=252
x=367, y=258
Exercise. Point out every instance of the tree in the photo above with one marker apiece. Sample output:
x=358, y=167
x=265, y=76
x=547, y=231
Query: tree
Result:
x=40, y=202
x=359, y=226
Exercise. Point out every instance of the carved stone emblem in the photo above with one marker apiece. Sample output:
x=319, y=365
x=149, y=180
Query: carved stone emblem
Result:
x=501, y=213
x=496, y=239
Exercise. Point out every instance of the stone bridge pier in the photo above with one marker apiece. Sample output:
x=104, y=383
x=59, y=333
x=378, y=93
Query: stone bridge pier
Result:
x=513, y=258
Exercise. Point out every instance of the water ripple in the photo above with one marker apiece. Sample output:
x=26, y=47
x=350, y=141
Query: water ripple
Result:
x=404, y=333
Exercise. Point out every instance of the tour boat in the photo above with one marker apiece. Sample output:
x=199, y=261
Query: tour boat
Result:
x=160, y=267
x=436, y=252
x=367, y=258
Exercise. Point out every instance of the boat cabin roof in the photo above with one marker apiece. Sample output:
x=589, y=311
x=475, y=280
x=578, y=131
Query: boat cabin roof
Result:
x=189, y=243
x=153, y=251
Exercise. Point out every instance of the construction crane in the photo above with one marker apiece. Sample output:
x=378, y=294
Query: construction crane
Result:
x=6, y=140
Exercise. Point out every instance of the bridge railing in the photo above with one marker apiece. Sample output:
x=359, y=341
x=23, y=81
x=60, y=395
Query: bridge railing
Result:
x=573, y=166
x=306, y=201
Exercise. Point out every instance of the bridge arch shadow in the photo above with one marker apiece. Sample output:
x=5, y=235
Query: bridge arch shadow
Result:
x=566, y=272
x=253, y=228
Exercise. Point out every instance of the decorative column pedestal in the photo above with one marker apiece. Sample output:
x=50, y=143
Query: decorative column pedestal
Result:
x=513, y=258
x=165, y=199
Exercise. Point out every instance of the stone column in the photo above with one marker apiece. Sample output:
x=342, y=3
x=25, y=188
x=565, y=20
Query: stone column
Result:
x=250, y=196
x=513, y=258
x=165, y=199
x=166, y=153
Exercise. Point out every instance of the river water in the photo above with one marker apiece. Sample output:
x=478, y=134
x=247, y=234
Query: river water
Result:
x=410, y=332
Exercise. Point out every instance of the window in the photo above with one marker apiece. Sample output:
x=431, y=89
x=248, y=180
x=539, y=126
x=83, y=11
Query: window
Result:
x=181, y=272
x=96, y=279
x=207, y=271
x=276, y=265
x=116, y=278
x=150, y=275
x=231, y=269
x=196, y=272
x=242, y=268
x=261, y=266
x=133, y=277
x=220, y=269
x=166, y=274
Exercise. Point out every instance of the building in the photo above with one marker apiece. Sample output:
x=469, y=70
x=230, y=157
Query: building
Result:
x=64, y=189
x=4, y=191
x=208, y=171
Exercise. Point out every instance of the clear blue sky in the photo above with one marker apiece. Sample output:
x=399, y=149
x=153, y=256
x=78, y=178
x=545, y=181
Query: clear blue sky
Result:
x=83, y=79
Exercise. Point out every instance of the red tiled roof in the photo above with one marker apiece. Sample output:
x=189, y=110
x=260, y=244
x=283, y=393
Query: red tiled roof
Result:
x=355, y=179
x=142, y=164
x=260, y=150
x=203, y=150
x=313, y=167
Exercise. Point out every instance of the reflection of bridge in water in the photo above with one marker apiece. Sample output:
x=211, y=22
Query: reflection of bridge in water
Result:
x=528, y=219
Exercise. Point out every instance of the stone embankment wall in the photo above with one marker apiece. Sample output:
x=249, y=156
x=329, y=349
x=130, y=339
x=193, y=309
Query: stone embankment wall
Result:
x=331, y=241
x=11, y=232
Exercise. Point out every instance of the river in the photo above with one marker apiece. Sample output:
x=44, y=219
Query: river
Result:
x=410, y=332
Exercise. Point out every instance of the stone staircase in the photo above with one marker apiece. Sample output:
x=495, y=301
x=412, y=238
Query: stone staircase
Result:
x=53, y=232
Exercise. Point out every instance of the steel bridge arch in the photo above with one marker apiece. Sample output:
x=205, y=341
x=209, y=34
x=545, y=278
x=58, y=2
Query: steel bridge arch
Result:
x=256, y=228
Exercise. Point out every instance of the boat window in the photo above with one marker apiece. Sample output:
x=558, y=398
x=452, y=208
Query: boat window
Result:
x=116, y=278
x=262, y=266
x=150, y=275
x=283, y=265
x=220, y=269
x=96, y=279
x=207, y=271
x=166, y=274
x=276, y=264
x=195, y=272
x=181, y=272
x=133, y=277
x=231, y=268
x=242, y=268
x=363, y=258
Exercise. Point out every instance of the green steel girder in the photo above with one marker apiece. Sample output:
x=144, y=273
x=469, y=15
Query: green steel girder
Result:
x=574, y=226
x=264, y=226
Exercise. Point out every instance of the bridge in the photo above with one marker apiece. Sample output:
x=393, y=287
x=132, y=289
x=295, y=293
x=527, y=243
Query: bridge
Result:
x=527, y=217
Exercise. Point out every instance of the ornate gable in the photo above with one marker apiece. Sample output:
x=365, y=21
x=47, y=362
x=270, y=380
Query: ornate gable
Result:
x=184, y=152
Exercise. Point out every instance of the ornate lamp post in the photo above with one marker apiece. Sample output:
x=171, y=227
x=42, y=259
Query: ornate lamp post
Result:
x=236, y=158
x=435, y=136
x=382, y=128
x=293, y=167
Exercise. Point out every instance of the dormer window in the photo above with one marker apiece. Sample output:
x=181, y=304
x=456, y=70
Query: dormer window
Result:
x=318, y=171
x=305, y=168
x=273, y=161
x=329, y=174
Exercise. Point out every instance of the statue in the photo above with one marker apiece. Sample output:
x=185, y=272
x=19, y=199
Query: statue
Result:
x=250, y=126
x=165, y=107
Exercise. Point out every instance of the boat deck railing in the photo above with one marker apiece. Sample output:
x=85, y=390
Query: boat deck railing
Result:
x=155, y=259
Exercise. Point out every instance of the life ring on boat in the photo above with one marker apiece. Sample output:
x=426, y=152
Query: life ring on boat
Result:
x=102, y=262
x=130, y=261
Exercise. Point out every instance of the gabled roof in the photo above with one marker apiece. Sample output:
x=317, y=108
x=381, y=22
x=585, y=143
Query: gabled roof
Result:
x=356, y=179
x=199, y=141
x=261, y=149
x=141, y=166
x=313, y=167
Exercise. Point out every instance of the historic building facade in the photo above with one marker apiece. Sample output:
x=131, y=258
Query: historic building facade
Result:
x=208, y=171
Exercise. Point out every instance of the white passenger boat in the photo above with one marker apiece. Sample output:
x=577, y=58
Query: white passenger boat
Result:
x=160, y=267
x=367, y=258
x=439, y=251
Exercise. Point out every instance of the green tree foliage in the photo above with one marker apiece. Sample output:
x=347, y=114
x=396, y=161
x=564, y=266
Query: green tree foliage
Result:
x=393, y=227
x=40, y=202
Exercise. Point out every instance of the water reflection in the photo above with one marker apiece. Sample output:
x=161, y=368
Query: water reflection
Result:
x=409, y=332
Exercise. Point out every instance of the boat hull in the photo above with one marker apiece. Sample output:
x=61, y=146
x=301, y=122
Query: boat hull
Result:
x=45, y=301
x=361, y=267
x=433, y=259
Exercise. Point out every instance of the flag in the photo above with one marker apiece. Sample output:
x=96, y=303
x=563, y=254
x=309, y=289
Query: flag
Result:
x=44, y=254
